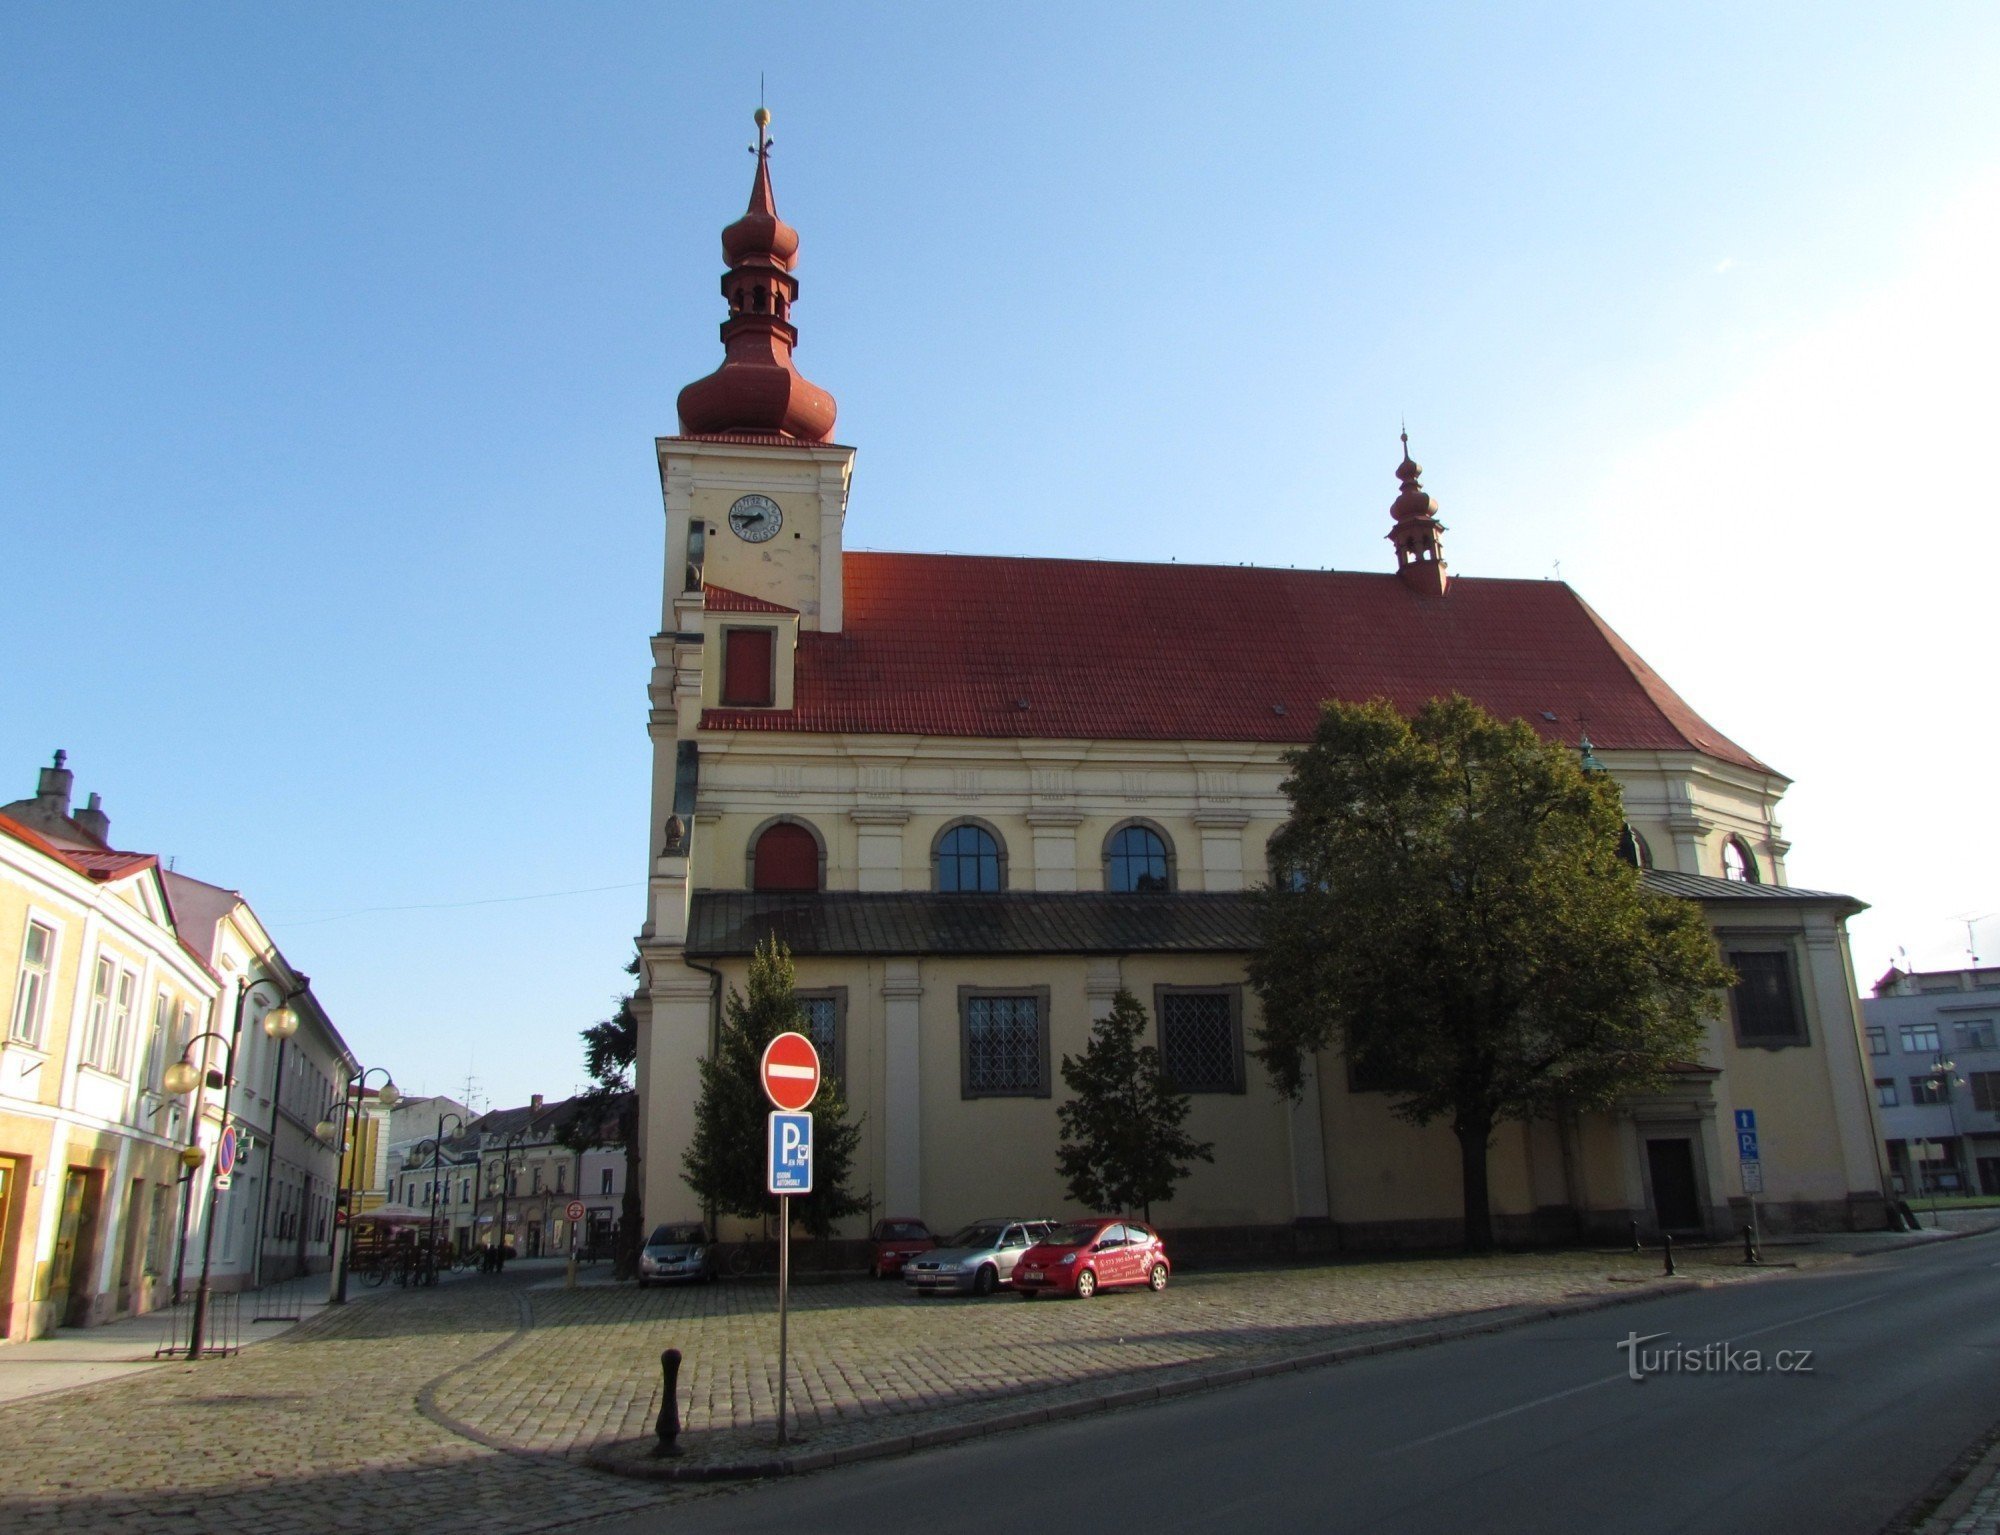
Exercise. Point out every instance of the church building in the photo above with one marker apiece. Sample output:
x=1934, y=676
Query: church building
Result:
x=977, y=796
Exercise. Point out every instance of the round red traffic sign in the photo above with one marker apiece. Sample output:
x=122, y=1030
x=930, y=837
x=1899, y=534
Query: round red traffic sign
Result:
x=573, y=1210
x=790, y=1072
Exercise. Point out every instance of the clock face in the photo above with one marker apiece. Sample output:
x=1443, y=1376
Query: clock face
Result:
x=756, y=518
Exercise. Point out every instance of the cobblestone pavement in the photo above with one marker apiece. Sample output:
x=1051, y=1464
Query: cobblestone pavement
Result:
x=467, y=1407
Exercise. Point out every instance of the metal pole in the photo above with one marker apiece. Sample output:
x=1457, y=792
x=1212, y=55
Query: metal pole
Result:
x=198, y=1324
x=350, y=1162
x=784, y=1288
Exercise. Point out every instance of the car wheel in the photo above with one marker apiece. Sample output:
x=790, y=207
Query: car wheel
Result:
x=1086, y=1285
x=986, y=1281
x=1158, y=1278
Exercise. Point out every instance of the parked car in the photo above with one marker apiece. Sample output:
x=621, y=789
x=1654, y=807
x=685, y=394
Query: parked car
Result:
x=976, y=1260
x=896, y=1241
x=674, y=1253
x=1082, y=1257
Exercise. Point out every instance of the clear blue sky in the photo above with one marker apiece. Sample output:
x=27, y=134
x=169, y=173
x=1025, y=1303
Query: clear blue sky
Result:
x=336, y=338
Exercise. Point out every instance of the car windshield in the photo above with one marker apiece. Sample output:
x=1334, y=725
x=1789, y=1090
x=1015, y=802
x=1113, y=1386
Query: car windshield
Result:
x=675, y=1236
x=975, y=1236
x=1073, y=1234
x=902, y=1231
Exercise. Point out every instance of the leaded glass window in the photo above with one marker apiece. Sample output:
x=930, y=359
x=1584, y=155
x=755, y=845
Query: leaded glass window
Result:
x=1200, y=1042
x=1005, y=1043
x=824, y=1026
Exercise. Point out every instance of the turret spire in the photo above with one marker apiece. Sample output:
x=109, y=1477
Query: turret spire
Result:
x=1419, y=550
x=757, y=390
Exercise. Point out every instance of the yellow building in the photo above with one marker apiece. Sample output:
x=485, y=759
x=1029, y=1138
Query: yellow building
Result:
x=978, y=796
x=102, y=997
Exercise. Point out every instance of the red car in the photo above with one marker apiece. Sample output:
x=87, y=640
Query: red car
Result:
x=1083, y=1257
x=896, y=1240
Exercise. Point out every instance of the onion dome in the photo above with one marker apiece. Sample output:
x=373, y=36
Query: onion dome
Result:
x=1419, y=550
x=757, y=391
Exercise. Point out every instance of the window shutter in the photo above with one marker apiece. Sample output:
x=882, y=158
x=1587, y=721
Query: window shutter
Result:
x=746, y=668
x=787, y=859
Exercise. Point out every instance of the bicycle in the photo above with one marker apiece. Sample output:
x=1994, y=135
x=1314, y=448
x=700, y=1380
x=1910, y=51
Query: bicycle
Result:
x=753, y=1259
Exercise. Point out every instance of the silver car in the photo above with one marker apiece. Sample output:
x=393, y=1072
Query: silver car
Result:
x=975, y=1261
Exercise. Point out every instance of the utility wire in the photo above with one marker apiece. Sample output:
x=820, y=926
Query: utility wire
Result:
x=495, y=900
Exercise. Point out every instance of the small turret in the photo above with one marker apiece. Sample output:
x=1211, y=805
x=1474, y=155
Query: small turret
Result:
x=1419, y=550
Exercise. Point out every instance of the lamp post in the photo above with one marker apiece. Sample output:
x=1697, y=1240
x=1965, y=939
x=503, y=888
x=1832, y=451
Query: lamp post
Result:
x=350, y=1105
x=1941, y=1074
x=437, y=1159
x=280, y=1023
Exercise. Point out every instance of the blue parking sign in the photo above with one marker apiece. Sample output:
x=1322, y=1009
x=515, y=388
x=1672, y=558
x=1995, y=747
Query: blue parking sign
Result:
x=788, y=1162
x=1746, y=1119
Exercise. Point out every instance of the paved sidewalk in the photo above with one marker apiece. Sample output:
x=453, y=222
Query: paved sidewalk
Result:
x=478, y=1407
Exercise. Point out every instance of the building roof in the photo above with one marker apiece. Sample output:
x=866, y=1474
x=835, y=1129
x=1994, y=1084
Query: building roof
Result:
x=720, y=599
x=100, y=864
x=731, y=923
x=973, y=645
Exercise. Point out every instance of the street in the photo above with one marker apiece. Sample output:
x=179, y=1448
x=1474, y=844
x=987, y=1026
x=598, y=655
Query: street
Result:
x=1538, y=1429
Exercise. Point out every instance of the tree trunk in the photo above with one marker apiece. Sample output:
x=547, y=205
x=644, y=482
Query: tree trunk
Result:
x=1475, y=1135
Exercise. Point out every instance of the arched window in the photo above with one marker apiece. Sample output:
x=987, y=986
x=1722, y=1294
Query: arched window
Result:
x=1739, y=863
x=786, y=857
x=1632, y=848
x=968, y=857
x=1137, y=857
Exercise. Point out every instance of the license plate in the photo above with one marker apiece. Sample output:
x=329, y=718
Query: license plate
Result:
x=1031, y=1273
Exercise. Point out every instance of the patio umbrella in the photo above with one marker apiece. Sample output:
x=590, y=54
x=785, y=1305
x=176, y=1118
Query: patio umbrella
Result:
x=395, y=1215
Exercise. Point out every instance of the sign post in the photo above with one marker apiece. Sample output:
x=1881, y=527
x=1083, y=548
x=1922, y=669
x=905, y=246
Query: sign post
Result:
x=1749, y=1162
x=790, y=1074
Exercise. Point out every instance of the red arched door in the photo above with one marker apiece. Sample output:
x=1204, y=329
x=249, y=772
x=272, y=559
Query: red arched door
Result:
x=787, y=859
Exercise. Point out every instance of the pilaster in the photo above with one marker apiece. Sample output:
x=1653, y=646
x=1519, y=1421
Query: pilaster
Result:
x=902, y=1087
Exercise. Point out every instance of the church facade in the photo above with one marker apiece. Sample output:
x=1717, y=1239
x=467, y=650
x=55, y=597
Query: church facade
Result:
x=977, y=796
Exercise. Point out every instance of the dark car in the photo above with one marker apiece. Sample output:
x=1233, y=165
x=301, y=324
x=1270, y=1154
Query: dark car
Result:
x=1082, y=1257
x=676, y=1253
x=896, y=1240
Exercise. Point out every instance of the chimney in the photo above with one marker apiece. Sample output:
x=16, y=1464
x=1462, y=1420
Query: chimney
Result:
x=534, y=1105
x=92, y=819
x=52, y=790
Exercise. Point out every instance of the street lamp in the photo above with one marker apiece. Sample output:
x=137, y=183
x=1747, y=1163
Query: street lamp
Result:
x=280, y=1022
x=350, y=1109
x=1942, y=1068
x=437, y=1158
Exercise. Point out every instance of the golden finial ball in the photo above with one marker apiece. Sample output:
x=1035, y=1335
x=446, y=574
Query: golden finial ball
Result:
x=762, y=117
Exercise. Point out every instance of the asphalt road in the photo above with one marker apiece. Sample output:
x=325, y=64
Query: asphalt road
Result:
x=1539, y=1429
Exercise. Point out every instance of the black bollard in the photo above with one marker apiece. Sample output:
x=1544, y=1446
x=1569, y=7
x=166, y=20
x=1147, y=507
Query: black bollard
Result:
x=1667, y=1242
x=1635, y=1236
x=1749, y=1245
x=669, y=1426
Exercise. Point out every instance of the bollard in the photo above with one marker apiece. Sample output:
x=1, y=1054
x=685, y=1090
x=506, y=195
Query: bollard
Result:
x=1667, y=1242
x=1635, y=1236
x=569, y=1280
x=1749, y=1245
x=668, y=1428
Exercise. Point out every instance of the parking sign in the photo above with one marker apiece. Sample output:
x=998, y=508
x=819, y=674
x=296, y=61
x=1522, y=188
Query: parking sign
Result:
x=788, y=1161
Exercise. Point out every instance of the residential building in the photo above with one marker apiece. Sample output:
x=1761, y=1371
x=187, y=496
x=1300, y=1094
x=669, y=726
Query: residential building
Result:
x=528, y=1177
x=273, y=1221
x=1933, y=1043
x=978, y=796
x=102, y=995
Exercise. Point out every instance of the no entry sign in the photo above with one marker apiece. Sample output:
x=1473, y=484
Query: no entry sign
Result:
x=791, y=1072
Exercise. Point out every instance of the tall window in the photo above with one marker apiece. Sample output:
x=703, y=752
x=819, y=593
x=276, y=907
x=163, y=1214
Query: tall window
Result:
x=1929, y=1089
x=748, y=678
x=826, y=1026
x=1739, y=863
x=604, y=1181
x=1766, y=999
x=967, y=857
x=787, y=858
x=1878, y=1040
x=1632, y=848
x=1885, y=1092
x=1201, y=1037
x=31, y=992
x=1136, y=858
x=121, y=1023
x=1004, y=1042
x=98, y=1018
x=1985, y=1090
x=156, y=1043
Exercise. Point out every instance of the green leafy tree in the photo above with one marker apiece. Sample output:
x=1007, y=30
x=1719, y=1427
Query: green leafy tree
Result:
x=1455, y=917
x=1123, y=1143
x=724, y=1162
x=607, y=1114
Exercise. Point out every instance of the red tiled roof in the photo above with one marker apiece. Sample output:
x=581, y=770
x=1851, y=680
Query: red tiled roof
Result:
x=93, y=863
x=965, y=645
x=720, y=599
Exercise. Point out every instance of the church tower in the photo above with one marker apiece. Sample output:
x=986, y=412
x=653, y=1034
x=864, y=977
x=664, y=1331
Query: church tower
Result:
x=1419, y=549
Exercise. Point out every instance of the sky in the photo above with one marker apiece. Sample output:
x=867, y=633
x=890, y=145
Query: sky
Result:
x=336, y=339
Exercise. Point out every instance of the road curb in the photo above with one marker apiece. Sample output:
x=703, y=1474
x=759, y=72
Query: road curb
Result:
x=618, y=1458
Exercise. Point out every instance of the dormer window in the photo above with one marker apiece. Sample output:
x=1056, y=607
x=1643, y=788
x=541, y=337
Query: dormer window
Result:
x=749, y=679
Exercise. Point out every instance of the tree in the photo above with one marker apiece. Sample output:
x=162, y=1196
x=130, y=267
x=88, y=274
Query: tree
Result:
x=1124, y=1143
x=1454, y=915
x=724, y=1162
x=608, y=1115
